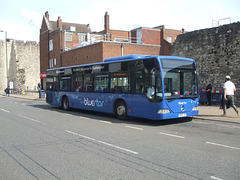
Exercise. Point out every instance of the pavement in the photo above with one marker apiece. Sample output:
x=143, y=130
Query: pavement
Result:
x=213, y=113
x=33, y=95
x=208, y=113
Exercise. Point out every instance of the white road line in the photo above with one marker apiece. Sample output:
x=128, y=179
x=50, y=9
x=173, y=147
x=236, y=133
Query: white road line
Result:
x=223, y=125
x=222, y=145
x=172, y=135
x=102, y=142
x=132, y=127
x=215, y=178
x=107, y=122
x=84, y=117
x=31, y=119
x=5, y=110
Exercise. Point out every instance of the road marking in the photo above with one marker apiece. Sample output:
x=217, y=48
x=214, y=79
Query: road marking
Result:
x=84, y=117
x=31, y=119
x=4, y=110
x=172, y=135
x=107, y=122
x=102, y=142
x=66, y=114
x=215, y=178
x=132, y=127
x=222, y=145
x=223, y=125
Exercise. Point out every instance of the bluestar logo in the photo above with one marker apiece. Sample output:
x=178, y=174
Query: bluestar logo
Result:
x=96, y=102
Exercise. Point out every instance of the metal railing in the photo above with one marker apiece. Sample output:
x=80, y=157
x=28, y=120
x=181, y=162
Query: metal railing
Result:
x=75, y=40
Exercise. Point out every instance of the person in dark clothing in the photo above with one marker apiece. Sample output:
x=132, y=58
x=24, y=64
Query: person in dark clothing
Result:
x=7, y=91
x=209, y=93
x=39, y=89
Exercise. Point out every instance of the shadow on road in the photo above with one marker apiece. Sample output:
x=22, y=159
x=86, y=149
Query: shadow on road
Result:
x=110, y=117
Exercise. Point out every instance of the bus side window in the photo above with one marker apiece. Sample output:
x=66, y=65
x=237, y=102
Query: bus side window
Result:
x=77, y=82
x=88, y=83
x=55, y=85
x=120, y=77
x=101, y=83
x=65, y=84
x=49, y=83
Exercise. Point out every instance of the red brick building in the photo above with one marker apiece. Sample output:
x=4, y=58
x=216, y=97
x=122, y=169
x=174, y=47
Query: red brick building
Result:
x=65, y=44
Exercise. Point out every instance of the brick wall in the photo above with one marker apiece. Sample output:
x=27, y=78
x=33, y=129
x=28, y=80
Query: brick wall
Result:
x=99, y=51
x=172, y=33
x=150, y=36
x=55, y=36
x=120, y=34
x=83, y=55
x=44, y=52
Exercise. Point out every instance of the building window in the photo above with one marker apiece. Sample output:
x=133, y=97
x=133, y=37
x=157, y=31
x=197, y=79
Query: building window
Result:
x=51, y=45
x=50, y=63
x=82, y=38
x=55, y=61
x=169, y=39
x=72, y=28
x=68, y=37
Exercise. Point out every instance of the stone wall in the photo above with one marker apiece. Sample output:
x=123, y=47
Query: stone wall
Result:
x=23, y=64
x=216, y=52
x=3, y=71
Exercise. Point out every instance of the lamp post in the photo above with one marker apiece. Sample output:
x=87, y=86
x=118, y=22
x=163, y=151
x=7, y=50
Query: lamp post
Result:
x=6, y=55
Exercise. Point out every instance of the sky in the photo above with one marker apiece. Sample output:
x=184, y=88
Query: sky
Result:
x=22, y=19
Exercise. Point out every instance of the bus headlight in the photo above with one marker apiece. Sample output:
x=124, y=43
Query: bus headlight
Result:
x=195, y=108
x=163, y=111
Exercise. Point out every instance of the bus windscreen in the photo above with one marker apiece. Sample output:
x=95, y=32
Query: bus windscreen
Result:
x=180, y=79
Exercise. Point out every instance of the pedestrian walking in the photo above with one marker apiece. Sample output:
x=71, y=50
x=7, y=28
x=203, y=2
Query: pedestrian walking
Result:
x=209, y=93
x=39, y=89
x=7, y=90
x=229, y=89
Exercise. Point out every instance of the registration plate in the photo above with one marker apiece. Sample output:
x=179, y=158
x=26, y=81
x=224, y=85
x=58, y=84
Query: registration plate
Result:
x=182, y=115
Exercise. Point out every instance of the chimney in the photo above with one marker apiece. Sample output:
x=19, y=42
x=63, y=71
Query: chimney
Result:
x=47, y=15
x=59, y=22
x=106, y=25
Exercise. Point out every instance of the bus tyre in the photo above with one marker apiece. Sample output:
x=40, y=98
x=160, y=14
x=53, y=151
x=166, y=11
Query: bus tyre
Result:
x=121, y=110
x=65, y=103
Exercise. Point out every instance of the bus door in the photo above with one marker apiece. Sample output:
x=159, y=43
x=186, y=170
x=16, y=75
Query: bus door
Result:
x=148, y=88
x=52, y=88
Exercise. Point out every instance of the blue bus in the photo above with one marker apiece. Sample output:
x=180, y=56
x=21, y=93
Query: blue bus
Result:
x=151, y=87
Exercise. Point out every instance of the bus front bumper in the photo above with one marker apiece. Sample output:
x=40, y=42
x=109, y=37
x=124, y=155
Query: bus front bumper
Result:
x=165, y=115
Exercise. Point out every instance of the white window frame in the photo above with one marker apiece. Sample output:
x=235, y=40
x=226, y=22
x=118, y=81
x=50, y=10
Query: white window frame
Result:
x=51, y=45
x=169, y=39
x=68, y=37
x=51, y=63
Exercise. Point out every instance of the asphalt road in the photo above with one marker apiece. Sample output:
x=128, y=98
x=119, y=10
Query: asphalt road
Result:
x=39, y=141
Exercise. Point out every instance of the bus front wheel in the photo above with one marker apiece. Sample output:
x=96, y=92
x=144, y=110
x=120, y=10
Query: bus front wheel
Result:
x=65, y=103
x=121, y=110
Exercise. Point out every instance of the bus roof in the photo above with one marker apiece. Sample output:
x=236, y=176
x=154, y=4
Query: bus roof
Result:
x=124, y=58
x=127, y=57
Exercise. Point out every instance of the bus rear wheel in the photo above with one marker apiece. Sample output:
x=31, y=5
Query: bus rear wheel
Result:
x=121, y=110
x=65, y=103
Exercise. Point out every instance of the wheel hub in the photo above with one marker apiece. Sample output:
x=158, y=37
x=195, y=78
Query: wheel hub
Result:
x=121, y=110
